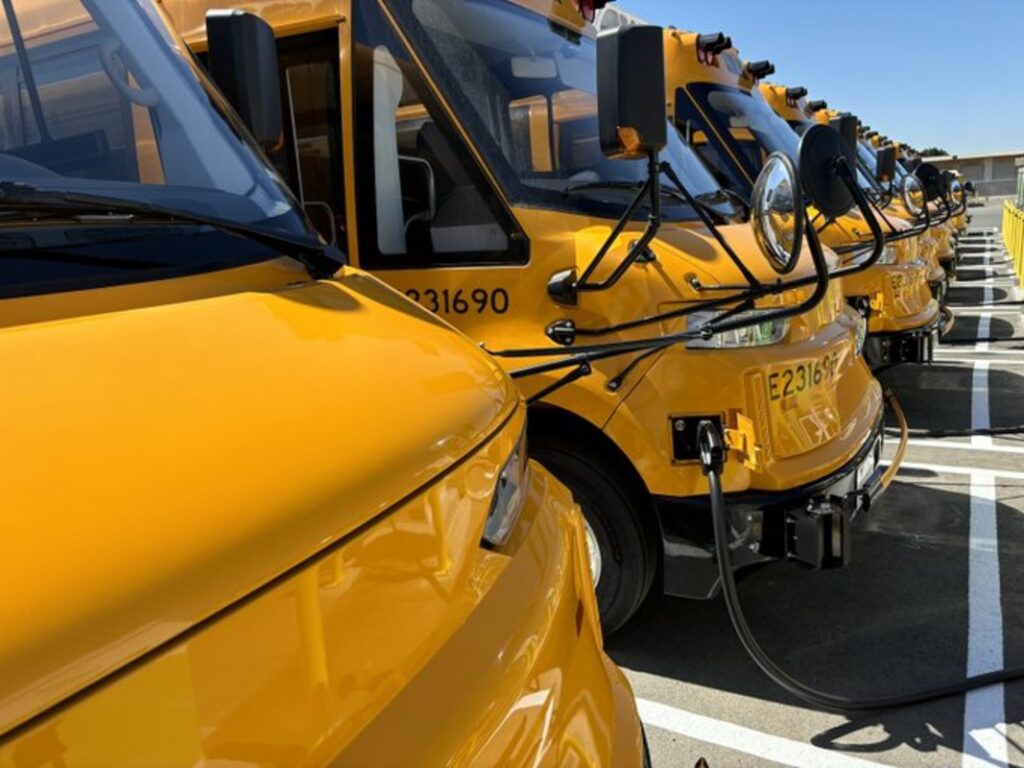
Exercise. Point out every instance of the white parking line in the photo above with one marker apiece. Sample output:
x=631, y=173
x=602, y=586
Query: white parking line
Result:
x=740, y=739
x=984, y=331
x=984, y=709
x=1007, y=352
x=956, y=469
x=979, y=405
x=972, y=361
x=925, y=442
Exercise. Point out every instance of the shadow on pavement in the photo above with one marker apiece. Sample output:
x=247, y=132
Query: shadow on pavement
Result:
x=965, y=331
x=966, y=294
x=939, y=396
x=893, y=621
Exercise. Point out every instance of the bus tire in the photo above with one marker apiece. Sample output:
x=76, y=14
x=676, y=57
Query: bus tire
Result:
x=616, y=515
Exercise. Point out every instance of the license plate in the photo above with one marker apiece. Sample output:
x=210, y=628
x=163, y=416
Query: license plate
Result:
x=866, y=469
x=802, y=408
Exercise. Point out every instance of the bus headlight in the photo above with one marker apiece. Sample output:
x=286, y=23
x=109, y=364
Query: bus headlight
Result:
x=889, y=255
x=757, y=334
x=509, y=496
x=862, y=333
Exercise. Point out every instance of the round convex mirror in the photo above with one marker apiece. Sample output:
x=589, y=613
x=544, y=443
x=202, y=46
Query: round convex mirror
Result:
x=777, y=213
x=912, y=194
x=956, y=192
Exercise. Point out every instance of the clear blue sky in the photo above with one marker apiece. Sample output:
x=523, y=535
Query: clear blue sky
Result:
x=878, y=59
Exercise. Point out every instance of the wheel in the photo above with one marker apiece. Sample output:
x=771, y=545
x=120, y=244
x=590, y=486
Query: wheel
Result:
x=619, y=535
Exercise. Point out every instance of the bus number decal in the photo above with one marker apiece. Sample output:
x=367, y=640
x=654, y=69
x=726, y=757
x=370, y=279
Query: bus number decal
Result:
x=461, y=301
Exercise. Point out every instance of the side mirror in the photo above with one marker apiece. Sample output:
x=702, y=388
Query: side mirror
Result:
x=243, y=63
x=632, y=119
x=846, y=127
x=912, y=195
x=931, y=180
x=885, y=164
x=777, y=212
x=819, y=148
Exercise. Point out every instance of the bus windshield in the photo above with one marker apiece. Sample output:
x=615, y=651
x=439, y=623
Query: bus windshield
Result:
x=525, y=90
x=99, y=97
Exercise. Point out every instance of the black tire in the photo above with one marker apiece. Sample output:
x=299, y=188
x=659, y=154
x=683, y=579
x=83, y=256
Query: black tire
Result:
x=617, y=512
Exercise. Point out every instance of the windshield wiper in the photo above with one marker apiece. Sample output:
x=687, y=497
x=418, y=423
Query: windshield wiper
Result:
x=724, y=195
x=320, y=260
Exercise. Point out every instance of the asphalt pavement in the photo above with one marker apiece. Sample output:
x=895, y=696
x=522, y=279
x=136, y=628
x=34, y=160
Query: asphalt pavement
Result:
x=935, y=589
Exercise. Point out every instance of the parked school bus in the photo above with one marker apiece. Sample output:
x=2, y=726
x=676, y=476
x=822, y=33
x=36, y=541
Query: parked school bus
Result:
x=458, y=146
x=932, y=246
x=258, y=507
x=714, y=101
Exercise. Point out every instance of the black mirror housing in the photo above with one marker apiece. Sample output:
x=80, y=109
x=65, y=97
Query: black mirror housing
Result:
x=818, y=151
x=632, y=114
x=932, y=180
x=242, y=60
x=885, y=164
x=846, y=127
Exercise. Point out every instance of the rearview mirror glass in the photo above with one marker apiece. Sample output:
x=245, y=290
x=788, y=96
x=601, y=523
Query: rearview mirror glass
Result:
x=912, y=194
x=777, y=213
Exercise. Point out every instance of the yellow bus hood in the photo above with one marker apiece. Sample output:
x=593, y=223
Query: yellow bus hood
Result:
x=159, y=464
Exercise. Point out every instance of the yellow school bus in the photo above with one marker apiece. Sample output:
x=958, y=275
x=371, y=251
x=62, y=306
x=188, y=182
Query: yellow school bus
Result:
x=714, y=101
x=458, y=146
x=259, y=508
x=937, y=246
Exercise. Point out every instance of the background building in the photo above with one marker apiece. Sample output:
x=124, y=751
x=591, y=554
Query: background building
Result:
x=994, y=173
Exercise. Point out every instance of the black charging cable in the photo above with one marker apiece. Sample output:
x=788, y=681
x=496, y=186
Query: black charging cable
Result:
x=712, y=455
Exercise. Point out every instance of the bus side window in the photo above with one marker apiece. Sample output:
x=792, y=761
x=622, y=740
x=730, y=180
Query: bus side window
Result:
x=311, y=157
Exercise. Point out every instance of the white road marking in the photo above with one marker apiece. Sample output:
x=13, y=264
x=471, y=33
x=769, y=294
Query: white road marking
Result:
x=956, y=469
x=1008, y=352
x=984, y=331
x=979, y=405
x=972, y=361
x=984, y=709
x=741, y=739
x=925, y=442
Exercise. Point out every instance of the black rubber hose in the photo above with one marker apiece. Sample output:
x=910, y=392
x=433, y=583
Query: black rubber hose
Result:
x=709, y=439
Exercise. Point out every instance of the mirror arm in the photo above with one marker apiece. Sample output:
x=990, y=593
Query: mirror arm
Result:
x=581, y=370
x=669, y=171
x=878, y=237
x=820, y=279
x=651, y=190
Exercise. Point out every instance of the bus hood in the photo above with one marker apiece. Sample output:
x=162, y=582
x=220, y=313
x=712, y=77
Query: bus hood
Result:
x=159, y=464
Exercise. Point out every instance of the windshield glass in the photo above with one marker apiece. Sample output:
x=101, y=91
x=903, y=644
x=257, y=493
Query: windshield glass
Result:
x=525, y=90
x=744, y=118
x=98, y=97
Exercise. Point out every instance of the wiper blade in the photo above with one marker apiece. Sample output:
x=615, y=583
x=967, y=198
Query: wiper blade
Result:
x=320, y=260
x=629, y=186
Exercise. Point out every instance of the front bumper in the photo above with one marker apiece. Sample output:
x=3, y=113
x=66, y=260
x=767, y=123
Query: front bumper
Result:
x=808, y=524
x=916, y=345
